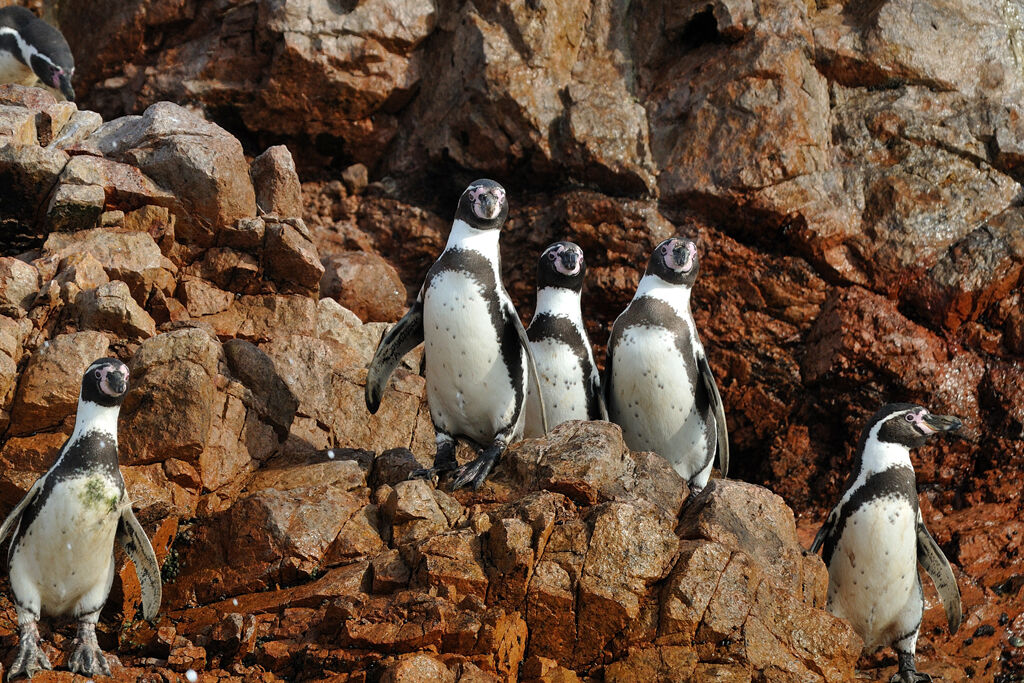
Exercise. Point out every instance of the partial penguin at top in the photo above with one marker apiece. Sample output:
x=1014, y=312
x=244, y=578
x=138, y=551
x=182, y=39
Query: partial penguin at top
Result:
x=477, y=355
x=658, y=384
x=875, y=537
x=32, y=50
x=569, y=380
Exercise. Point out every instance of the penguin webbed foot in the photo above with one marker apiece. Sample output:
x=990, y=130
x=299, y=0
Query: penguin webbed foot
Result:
x=30, y=659
x=475, y=473
x=908, y=672
x=87, y=658
x=444, y=462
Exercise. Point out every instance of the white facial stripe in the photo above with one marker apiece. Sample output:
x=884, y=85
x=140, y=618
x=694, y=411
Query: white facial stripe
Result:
x=27, y=51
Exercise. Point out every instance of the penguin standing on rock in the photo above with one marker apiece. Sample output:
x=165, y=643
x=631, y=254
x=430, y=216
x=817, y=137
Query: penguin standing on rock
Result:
x=875, y=536
x=477, y=356
x=568, y=375
x=31, y=49
x=658, y=383
x=61, y=558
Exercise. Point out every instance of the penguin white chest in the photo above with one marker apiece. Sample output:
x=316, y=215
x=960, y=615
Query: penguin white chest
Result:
x=652, y=398
x=562, y=383
x=66, y=552
x=13, y=71
x=469, y=387
x=873, y=572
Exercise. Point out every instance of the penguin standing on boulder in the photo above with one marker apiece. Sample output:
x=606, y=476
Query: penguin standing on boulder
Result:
x=658, y=383
x=568, y=375
x=477, y=356
x=875, y=537
x=61, y=558
x=31, y=49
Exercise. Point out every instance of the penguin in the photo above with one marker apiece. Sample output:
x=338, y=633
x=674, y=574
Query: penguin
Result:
x=659, y=387
x=61, y=558
x=875, y=537
x=31, y=49
x=476, y=352
x=568, y=376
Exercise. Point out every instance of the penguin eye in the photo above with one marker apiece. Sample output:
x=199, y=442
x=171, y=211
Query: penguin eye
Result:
x=551, y=256
x=909, y=417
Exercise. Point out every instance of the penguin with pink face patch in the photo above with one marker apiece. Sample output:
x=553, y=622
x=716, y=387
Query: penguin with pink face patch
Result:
x=658, y=383
x=61, y=559
x=568, y=376
x=32, y=51
x=875, y=537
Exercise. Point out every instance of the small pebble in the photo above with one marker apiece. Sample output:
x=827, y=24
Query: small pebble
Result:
x=330, y=454
x=192, y=676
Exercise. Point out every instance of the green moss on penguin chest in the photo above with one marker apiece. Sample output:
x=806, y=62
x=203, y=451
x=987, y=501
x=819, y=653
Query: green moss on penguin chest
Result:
x=98, y=495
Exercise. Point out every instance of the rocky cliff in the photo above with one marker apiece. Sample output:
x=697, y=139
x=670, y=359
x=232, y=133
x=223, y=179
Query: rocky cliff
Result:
x=851, y=171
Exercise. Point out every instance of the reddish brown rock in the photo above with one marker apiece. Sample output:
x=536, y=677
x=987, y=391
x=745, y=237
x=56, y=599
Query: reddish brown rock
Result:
x=276, y=182
x=19, y=282
x=167, y=412
x=111, y=307
x=49, y=388
x=364, y=283
x=291, y=259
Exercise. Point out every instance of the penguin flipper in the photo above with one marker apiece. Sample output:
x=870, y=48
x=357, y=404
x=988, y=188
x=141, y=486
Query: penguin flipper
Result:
x=598, y=391
x=400, y=340
x=524, y=340
x=935, y=563
x=135, y=542
x=715, y=399
x=819, y=538
x=14, y=516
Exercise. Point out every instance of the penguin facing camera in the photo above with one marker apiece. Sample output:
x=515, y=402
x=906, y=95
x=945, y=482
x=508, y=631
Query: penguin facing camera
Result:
x=875, y=537
x=61, y=559
x=658, y=384
x=568, y=376
x=31, y=49
x=477, y=355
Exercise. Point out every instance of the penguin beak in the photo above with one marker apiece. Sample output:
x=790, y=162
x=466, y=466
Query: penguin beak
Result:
x=942, y=423
x=569, y=260
x=118, y=382
x=64, y=81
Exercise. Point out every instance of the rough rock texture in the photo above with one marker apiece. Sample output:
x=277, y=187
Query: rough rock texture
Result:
x=852, y=173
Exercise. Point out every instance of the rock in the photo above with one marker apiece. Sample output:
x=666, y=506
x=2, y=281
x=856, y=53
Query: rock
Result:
x=167, y=412
x=50, y=384
x=17, y=125
x=364, y=283
x=75, y=207
x=111, y=307
x=276, y=182
x=131, y=257
x=291, y=259
x=27, y=174
x=199, y=162
x=19, y=282
x=589, y=463
x=356, y=177
x=416, y=668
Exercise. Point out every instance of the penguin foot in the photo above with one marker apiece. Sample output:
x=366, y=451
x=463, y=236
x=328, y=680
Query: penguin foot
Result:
x=474, y=473
x=88, y=659
x=430, y=473
x=910, y=676
x=30, y=659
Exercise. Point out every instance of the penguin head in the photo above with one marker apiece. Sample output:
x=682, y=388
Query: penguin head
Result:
x=561, y=265
x=105, y=382
x=910, y=425
x=483, y=205
x=49, y=55
x=675, y=261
